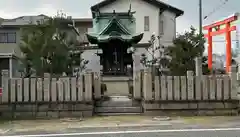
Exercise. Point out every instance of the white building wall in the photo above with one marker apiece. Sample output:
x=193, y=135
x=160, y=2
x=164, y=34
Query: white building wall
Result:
x=169, y=28
x=163, y=24
x=142, y=9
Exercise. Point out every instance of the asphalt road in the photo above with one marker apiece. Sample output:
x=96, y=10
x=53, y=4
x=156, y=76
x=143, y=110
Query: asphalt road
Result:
x=135, y=132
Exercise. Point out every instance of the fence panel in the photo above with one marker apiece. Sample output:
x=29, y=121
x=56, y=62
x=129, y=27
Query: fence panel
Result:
x=88, y=86
x=19, y=83
x=60, y=90
x=163, y=88
x=177, y=88
x=220, y=88
x=183, y=87
x=205, y=87
x=26, y=91
x=40, y=89
x=170, y=91
x=54, y=90
x=157, y=88
x=226, y=87
x=212, y=87
x=46, y=91
x=6, y=90
x=80, y=88
x=66, y=89
x=147, y=86
x=13, y=90
x=97, y=85
x=190, y=87
x=73, y=89
x=198, y=88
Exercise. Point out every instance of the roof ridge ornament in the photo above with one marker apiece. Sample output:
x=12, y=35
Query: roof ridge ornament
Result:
x=130, y=7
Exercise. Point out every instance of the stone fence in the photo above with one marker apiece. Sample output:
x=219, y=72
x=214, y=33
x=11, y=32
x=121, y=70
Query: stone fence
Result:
x=55, y=97
x=200, y=95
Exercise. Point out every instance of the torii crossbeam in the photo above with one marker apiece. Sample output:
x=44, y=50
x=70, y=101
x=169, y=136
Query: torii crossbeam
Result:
x=214, y=30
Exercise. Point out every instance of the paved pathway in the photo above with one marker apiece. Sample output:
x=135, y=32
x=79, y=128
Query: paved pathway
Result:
x=223, y=132
x=124, y=126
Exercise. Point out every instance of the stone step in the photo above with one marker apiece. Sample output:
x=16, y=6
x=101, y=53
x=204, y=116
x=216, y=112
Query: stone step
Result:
x=118, y=101
x=118, y=109
x=111, y=103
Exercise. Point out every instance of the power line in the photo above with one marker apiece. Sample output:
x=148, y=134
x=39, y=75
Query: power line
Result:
x=223, y=3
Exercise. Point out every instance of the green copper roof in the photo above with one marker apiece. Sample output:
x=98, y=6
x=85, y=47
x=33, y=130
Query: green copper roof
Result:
x=95, y=39
x=112, y=26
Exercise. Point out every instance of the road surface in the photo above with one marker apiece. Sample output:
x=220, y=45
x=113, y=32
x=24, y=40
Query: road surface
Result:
x=138, y=132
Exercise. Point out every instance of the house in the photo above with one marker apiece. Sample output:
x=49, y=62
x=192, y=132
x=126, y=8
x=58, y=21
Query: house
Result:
x=10, y=36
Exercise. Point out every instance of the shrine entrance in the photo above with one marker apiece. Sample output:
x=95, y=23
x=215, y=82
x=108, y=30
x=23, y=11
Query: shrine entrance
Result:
x=114, y=33
x=214, y=30
x=114, y=59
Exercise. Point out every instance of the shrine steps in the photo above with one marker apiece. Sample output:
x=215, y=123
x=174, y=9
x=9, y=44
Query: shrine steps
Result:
x=118, y=105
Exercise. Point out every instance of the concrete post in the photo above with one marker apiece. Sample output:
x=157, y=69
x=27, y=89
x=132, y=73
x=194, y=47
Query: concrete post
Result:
x=97, y=85
x=88, y=86
x=5, y=90
x=10, y=67
x=234, y=82
x=198, y=66
x=137, y=84
x=190, y=85
x=238, y=72
x=147, y=85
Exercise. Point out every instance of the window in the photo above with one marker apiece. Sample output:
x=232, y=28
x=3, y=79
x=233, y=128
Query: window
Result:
x=146, y=23
x=161, y=27
x=9, y=37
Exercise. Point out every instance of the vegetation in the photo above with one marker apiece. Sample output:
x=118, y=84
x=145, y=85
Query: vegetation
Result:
x=180, y=57
x=47, y=48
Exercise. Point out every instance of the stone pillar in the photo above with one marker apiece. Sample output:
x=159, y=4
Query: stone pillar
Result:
x=5, y=77
x=147, y=85
x=136, y=62
x=198, y=66
x=238, y=72
x=137, y=84
x=238, y=80
x=234, y=82
x=88, y=86
x=190, y=85
x=97, y=85
x=10, y=67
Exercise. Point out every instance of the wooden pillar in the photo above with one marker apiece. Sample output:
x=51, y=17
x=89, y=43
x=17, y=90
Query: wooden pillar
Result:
x=228, y=48
x=209, y=49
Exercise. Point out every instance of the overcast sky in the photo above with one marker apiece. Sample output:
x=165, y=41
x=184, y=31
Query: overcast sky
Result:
x=81, y=8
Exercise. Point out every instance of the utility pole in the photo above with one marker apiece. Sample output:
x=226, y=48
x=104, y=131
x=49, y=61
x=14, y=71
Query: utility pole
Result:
x=198, y=60
x=200, y=17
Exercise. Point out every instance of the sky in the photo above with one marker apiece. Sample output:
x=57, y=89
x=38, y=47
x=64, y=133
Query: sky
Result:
x=81, y=8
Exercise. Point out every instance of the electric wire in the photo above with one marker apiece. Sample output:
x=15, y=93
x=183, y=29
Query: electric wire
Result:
x=221, y=5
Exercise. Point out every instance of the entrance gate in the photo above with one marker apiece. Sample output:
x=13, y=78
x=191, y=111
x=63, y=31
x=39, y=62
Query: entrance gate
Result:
x=214, y=30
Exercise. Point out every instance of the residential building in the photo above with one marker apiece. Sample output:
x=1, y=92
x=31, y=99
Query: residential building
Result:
x=10, y=37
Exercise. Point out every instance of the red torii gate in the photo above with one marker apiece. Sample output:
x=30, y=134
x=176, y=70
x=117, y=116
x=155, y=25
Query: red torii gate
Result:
x=218, y=31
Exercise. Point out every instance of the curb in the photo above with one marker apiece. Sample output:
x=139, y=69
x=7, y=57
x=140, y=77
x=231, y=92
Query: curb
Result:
x=126, y=125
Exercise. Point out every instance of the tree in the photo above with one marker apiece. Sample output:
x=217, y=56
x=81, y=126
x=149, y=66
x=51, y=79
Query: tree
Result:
x=180, y=57
x=47, y=47
x=182, y=54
